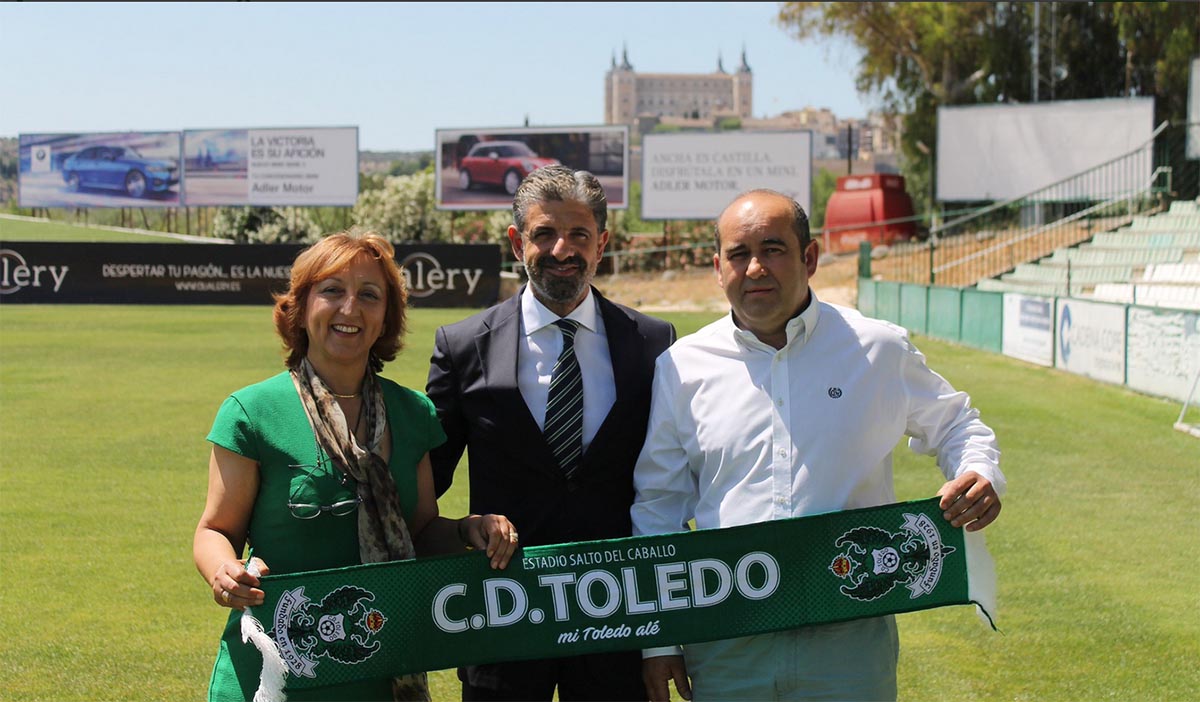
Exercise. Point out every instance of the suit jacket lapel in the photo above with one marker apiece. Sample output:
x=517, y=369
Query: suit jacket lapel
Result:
x=498, y=348
x=625, y=348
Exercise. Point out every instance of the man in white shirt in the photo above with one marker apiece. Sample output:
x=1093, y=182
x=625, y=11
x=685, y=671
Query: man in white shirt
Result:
x=790, y=407
x=548, y=393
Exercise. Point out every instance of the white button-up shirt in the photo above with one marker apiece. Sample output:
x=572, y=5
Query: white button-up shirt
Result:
x=741, y=432
x=538, y=352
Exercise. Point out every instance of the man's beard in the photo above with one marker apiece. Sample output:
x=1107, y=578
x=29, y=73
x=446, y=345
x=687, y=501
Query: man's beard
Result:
x=554, y=288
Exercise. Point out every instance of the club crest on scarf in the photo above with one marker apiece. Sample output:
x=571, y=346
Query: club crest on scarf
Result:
x=875, y=560
x=342, y=627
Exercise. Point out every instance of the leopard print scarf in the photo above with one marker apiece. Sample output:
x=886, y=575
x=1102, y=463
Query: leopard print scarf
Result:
x=382, y=532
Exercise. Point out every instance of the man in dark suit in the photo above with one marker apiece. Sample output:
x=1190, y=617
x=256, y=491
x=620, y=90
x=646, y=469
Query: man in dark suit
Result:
x=501, y=377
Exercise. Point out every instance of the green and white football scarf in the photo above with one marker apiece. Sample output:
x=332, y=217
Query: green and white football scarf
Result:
x=387, y=619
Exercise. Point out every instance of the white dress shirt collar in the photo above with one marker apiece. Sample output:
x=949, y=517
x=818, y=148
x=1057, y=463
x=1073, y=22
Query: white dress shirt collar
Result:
x=798, y=329
x=538, y=351
x=536, y=316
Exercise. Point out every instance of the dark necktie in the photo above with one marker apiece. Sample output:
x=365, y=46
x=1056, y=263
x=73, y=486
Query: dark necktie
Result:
x=564, y=404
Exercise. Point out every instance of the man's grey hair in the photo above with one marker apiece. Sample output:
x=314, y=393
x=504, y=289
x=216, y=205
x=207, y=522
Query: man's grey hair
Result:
x=799, y=218
x=561, y=184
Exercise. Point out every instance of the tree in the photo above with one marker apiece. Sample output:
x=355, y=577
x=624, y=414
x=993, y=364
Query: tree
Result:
x=823, y=186
x=410, y=165
x=404, y=209
x=916, y=56
x=267, y=225
x=920, y=56
x=1159, y=40
x=8, y=173
x=632, y=216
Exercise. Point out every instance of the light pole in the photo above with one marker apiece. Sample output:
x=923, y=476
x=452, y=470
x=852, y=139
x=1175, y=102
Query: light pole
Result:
x=932, y=212
x=849, y=148
x=932, y=179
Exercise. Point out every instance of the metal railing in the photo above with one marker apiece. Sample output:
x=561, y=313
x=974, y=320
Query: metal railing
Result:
x=995, y=239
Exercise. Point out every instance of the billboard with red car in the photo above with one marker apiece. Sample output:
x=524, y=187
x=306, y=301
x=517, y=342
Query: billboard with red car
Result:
x=481, y=169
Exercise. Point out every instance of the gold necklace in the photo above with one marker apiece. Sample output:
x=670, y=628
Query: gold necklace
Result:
x=362, y=409
x=345, y=397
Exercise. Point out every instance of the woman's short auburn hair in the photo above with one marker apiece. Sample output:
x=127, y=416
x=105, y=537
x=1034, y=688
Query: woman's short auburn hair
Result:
x=325, y=258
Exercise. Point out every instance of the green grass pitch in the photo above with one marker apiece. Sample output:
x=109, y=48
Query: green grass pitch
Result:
x=103, y=413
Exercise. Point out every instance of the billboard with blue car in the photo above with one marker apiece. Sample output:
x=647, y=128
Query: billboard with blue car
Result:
x=114, y=169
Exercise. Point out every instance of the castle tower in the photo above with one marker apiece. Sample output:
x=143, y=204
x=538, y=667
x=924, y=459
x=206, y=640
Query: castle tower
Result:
x=743, y=89
x=629, y=95
x=620, y=91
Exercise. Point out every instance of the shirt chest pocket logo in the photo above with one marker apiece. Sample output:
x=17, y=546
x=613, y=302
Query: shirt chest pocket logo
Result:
x=835, y=392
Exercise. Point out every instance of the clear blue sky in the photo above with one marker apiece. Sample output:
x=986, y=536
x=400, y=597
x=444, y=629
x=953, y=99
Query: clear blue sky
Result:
x=397, y=71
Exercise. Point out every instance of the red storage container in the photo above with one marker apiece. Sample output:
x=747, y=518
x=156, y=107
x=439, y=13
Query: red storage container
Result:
x=862, y=200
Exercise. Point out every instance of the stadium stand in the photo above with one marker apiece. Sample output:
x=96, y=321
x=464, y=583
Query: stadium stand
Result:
x=1154, y=261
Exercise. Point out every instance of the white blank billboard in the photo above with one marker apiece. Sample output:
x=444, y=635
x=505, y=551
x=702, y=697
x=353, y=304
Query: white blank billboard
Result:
x=1000, y=152
x=694, y=176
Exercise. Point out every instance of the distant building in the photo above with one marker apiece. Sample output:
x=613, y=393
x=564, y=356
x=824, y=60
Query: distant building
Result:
x=882, y=132
x=722, y=100
x=821, y=122
x=629, y=95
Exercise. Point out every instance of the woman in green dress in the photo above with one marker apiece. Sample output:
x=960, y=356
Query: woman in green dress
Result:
x=326, y=464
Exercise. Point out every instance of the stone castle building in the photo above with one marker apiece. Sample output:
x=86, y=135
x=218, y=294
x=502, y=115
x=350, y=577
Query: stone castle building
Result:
x=722, y=100
x=702, y=96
